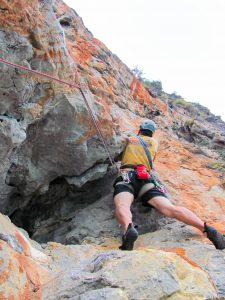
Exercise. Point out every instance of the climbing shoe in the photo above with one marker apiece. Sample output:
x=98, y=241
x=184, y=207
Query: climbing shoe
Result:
x=215, y=237
x=129, y=238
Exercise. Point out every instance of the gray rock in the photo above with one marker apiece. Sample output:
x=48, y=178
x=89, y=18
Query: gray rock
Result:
x=104, y=294
x=175, y=237
x=55, y=148
x=136, y=275
x=15, y=89
x=211, y=261
x=12, y=242
x=55, y=166
x=92, y=174
x=12, y=135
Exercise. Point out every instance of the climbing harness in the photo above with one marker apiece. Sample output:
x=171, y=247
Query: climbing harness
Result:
x=71, y=85
x=125, y=176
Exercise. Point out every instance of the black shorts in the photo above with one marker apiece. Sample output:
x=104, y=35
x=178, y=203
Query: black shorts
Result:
x=135, y=186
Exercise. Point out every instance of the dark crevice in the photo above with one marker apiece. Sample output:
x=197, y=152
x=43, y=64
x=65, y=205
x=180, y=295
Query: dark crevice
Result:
x=92, y=167
x=34, y=42
x=220, y=143
x=6, y=116
x=65, y=22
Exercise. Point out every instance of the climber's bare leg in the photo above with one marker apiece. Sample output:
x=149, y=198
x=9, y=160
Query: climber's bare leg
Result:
x=123, y=203
x=177, y=212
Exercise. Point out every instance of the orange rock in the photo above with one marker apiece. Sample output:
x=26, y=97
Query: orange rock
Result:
x=181, y=253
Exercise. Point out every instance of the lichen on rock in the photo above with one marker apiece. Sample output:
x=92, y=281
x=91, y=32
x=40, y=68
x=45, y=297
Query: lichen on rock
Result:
x=54, y=179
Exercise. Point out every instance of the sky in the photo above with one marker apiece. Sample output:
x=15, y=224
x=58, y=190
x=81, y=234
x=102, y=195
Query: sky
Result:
x=179, y=42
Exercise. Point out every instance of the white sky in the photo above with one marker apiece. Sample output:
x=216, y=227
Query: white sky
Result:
x=179, y=42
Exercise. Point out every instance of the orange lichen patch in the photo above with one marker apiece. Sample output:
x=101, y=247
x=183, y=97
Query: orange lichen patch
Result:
x=84, y=51
x=138, y=91
x=12, y=279
x=30, y=267
x=36, y=276
x=189, y=181
x=24, y=243
x=4, y=276
x=181, y=252
x=23, y=22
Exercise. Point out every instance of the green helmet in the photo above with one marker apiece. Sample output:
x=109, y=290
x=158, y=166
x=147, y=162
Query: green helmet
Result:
x=148, y=125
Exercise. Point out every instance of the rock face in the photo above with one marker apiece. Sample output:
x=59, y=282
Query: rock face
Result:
x=94, y=272
x=52, y=160
x=23, y=266
x=53, y=170
x=109, y=274
x=57, y=148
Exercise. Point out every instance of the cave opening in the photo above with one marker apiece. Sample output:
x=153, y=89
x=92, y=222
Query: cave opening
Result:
x=72, y=215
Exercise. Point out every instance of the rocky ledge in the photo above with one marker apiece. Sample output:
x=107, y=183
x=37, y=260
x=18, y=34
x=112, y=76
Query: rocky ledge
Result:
x=163, y=266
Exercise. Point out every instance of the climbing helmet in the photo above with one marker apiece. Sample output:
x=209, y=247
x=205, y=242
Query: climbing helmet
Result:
x=149, y=125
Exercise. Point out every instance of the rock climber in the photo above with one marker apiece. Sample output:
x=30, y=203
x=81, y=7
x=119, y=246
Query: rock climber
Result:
x=135, y=182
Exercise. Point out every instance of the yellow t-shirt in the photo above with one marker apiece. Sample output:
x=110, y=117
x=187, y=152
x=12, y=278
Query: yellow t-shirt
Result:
x=134, y=153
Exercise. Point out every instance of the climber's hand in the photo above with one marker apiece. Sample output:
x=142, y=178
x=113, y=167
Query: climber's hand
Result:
x=113, y=170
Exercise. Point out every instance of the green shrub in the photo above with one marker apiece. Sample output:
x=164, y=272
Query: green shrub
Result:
x=138, y=73
x=175, y=127
x=204, y=142
x=217, y=165
x=155, y=86
x=189, y=122
x=182, y=102
x=202, y=114
x=221, y=152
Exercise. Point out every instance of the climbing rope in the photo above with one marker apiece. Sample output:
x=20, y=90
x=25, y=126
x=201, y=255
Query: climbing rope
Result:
x=97, y=127
x=71, y=85
x=37, y=72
